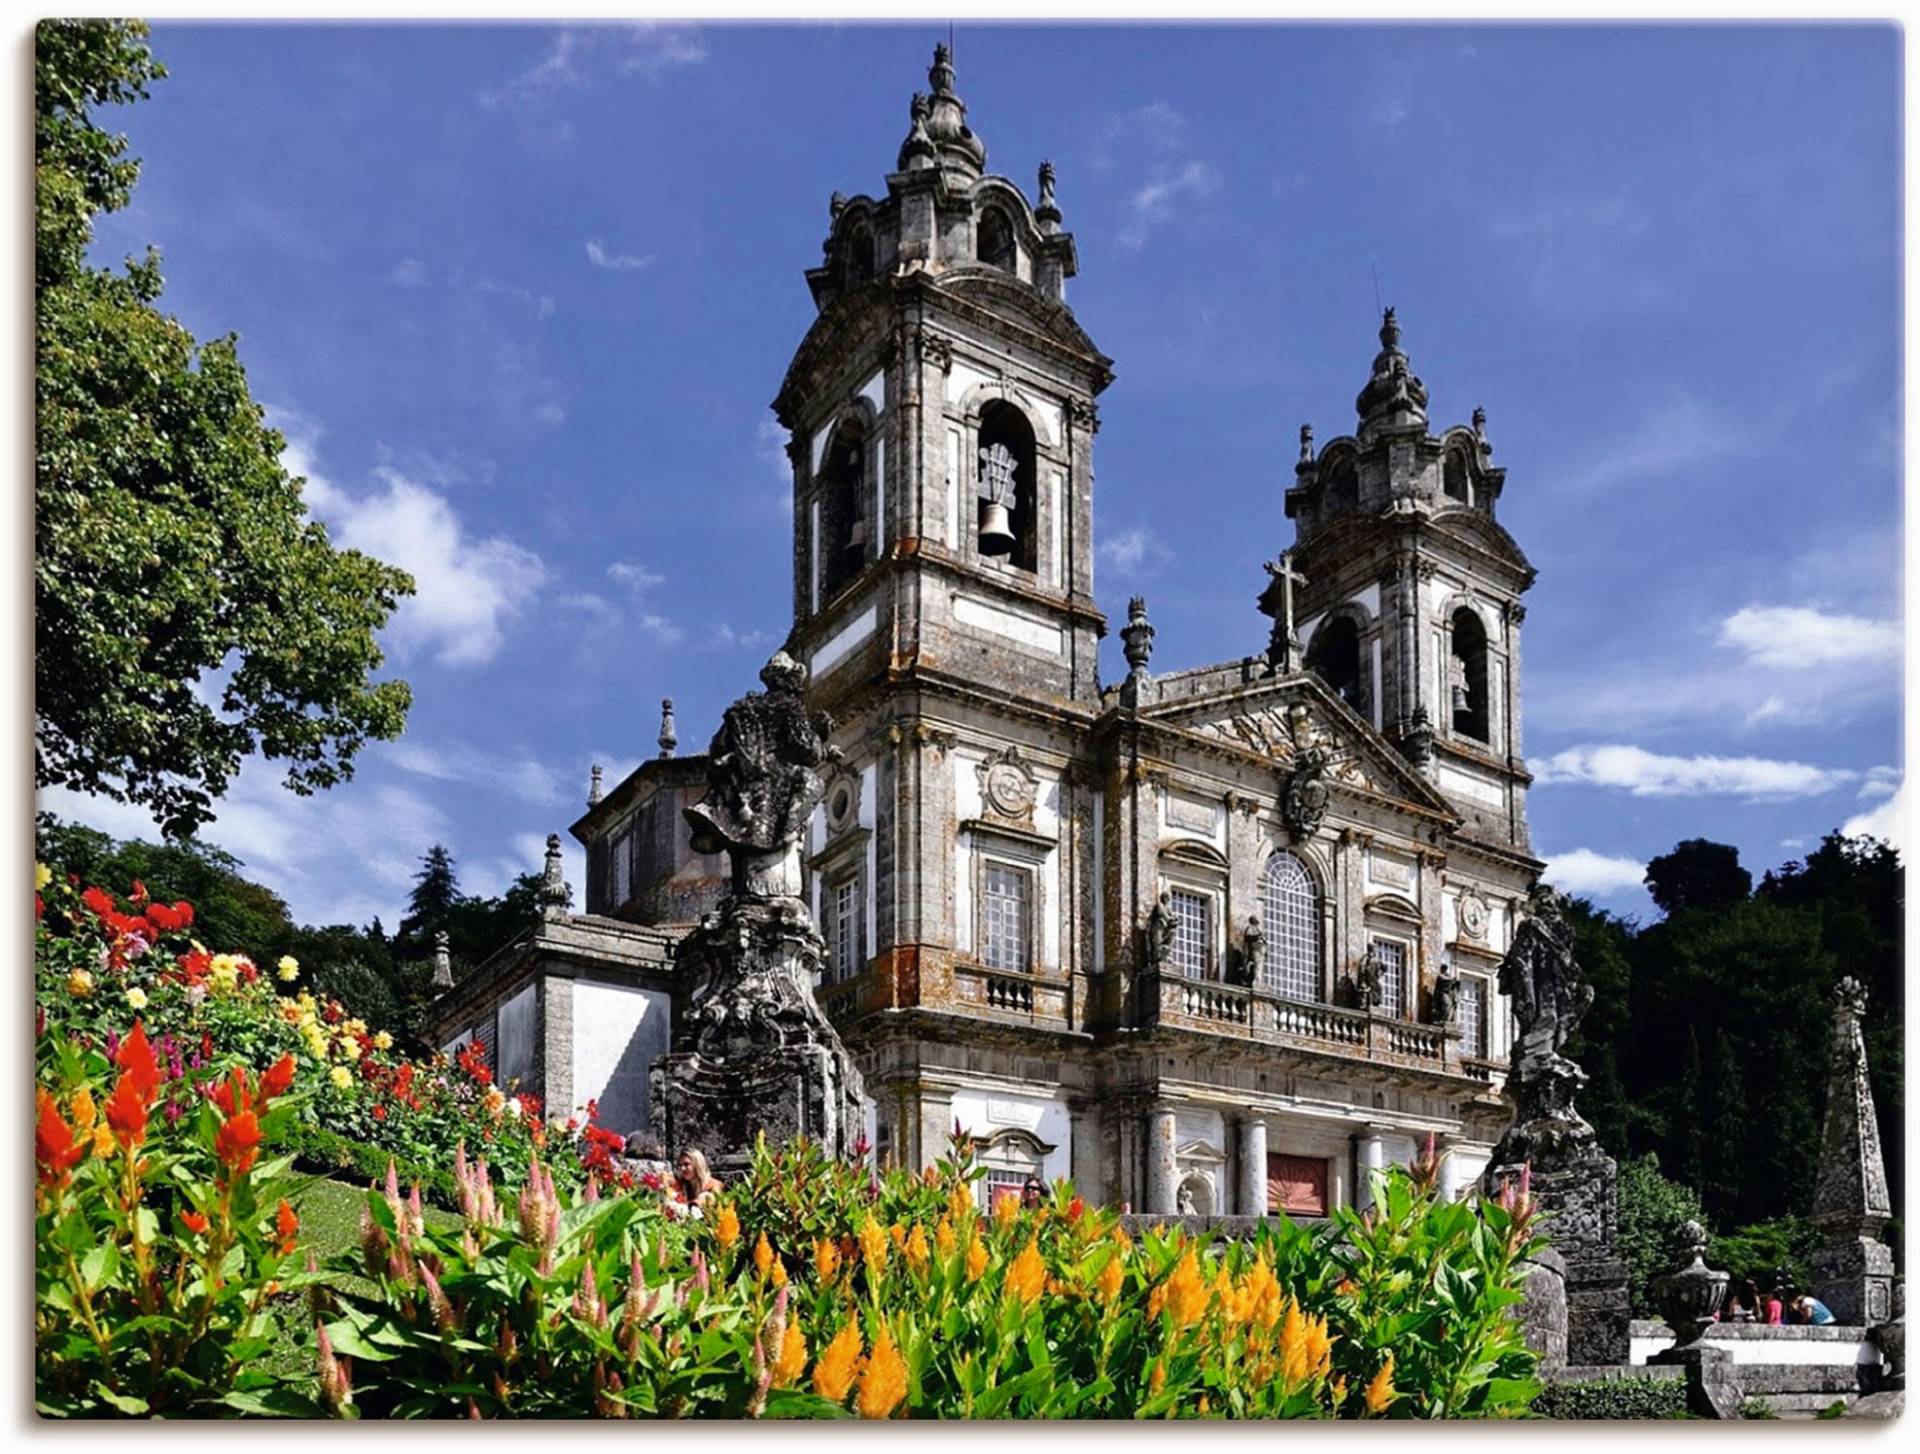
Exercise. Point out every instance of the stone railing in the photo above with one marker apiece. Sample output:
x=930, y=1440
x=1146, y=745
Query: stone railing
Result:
x=1253, y=1014
x=1006, y=992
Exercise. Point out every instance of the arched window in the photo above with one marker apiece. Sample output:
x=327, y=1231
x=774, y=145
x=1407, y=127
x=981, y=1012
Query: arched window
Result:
x=1343, y=485
x=846, y=509
x=1290, y=918
x=1006, y=486
x=859, y=258
x=1335, y=655
x=995, y=246
x=1467, y=676
x=1455, y=481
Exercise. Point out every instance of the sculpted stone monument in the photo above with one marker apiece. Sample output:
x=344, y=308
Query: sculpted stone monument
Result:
x=752, y=1050
x=1572, y=1176
x=1853, y=1269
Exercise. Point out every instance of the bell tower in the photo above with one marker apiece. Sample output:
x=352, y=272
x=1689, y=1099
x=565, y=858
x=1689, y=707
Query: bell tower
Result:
x=1405, y=592
x=941, y=412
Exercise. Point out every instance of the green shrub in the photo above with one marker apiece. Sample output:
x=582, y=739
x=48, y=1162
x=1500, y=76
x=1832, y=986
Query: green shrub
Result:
x=1765, y=1251
x=1652, y=1210
x=1636, y=1397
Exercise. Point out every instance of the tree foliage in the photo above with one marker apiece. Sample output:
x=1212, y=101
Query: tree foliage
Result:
x=1698, y=874
x=188, y=612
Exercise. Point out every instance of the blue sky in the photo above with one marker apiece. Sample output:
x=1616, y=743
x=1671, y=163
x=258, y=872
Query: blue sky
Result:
x=520, y=296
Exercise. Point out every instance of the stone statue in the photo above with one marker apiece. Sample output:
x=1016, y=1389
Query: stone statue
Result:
x=1446, y=996
x=1253, y=954
x=1186, y=1203
x=1369, y=981
x=763, y=782
x=1160, y=931
x=1307, y=795
x=1539, y=973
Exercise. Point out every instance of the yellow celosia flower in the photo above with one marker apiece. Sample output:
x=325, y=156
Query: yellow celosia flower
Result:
x=916, y=1248
x=289, y=968
x=1157, y=1380
x=976, y=1258
x=873, y=1246
x=1156, y=1300
x=726, y=1226
x=1120, y=1236
x=1293, y=1346
x=792, y=1361
x=1111, y=1276
x=1380, y=1392
x=779, y=1273
x=883, y=1382
x=959, y=1202
x=383, y=1041
x=79, y=983
x=1006, y=1207
x=84, y=1110
x=103, y=1142
x=945, y=1239
x=1263, y=1288
x=1187, y=1291
x=826, y=1260
x=1338, y=1388
x=899, y=1234
x=341, y=1076
x=833, y=1374
x=42, y=876
x=763, y=1255
x=1028, y=1275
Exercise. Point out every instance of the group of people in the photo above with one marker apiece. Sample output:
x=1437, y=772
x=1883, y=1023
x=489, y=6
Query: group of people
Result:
x=1747, y=1303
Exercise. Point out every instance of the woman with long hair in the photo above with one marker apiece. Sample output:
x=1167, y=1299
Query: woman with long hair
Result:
x=693, y=1182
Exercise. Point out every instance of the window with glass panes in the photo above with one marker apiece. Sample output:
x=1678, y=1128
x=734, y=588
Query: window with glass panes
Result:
x=843, y=917
x=1192, y=934
x=1393, y=979
x=1001, y=1181
x=1473, y=1015
x=1290, y=919
x=1006, y=914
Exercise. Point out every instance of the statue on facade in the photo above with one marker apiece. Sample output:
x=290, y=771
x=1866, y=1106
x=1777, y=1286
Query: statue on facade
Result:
x=1369, y=981
x=1161, y=927
x=1446, y=997
x=1307, y=796
x=763, y=781
x=1253, y=955
x=752, y=1050
x=1539, y=974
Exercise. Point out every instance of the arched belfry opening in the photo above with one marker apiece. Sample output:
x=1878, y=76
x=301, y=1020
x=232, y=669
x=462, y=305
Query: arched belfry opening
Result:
x=1455, y=480
x=859, y=257
x=994, y=244
x=1007, y=479
x=1335, y=655
x=1343, y=485
x=1467, y=676
x=846, y=510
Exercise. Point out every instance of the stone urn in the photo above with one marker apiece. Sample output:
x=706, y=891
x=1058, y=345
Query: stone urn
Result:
x=1691, y=1296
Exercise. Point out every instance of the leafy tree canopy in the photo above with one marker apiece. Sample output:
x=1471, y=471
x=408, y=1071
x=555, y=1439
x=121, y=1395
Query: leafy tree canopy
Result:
x=188, y=613
x=1698, y=875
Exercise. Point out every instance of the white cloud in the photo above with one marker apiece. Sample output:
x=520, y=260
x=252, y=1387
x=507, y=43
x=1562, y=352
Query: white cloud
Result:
x=1799, y=637
x=1679, y=432
x=661, y=628
x=409, y=272
x=1152, y=203
x=598, y=255
x=634, y=576
x=1134, y=551
x=1588, y=873
x=1882, y=782
x=524, y=777
x=468, y=590
x=570, y=62
x=723, y=636
x=1888, y=821
x=1650, y=774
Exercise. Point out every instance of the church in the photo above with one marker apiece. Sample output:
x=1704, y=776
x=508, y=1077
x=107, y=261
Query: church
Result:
x=1215, y=939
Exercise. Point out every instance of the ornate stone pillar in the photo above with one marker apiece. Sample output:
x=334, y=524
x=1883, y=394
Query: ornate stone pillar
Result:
x=935, y=1123
x=1163, y=1167
x=1449, y=1184
x=1373, y=1157
x=1253, y=1167
x=1853, y=1269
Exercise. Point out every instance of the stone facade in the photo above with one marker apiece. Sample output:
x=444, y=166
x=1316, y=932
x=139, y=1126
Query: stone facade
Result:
x=1223, y=937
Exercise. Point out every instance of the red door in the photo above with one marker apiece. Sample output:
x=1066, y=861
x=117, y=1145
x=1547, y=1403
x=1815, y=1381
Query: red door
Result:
x=1296, y=1185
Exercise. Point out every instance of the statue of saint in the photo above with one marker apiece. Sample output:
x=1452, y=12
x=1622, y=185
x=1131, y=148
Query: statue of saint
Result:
x=1253, y=954
x=1539, y=973
x=1370, y=981
x=1160, y=931
x=1446, y=996
x=763, y=781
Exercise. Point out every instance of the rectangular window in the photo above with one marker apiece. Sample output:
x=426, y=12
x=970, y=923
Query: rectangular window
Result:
x=621, y=854
x=1297, y=1185
x=1393, y=979
x=1001, y=1181
x=1006, y=904
x=1193, y=934
x=843, y=922
x=1473, y=1015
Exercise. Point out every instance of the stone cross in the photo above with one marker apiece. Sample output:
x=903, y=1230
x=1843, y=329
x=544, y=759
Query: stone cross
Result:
x=1284, y=652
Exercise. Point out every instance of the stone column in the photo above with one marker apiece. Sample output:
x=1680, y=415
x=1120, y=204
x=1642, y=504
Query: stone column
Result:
x=935, y=1123
x=1253, y=1167
x=1163, y=1167
x=1373, y=1156
x=1449, y=1185
x=1088, y=1132
x=556, y=1046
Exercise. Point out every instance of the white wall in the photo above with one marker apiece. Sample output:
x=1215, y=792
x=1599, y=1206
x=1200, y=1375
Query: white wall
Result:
x=618, y=1032
x=983, y=1112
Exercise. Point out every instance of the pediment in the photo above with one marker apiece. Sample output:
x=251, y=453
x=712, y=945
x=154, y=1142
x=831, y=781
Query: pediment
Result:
x=1276, y=717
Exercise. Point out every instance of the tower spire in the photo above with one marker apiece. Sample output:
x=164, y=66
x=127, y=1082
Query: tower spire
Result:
x=1393, y=397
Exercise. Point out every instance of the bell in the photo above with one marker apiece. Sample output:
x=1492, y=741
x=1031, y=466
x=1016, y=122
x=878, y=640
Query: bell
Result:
x=996, y=530
x=1460, y=702
x=857, y=533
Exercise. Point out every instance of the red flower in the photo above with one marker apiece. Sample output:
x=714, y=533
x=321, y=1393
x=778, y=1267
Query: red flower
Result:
x=278, y=1077
x=137, y=1059
x=379, y=1112
x=99, y=900
x=170, y=918
x=1075, y=1208
x=287, y=1224
x=126, y=1112
x=195, y=1222
x=196, y=965
x=53, y=1144
x=231, y=1097
x=139, y=895
x=39, y=906
x=238, y=1142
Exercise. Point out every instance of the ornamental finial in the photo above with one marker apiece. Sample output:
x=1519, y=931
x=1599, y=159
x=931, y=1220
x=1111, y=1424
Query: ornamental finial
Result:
x=596, y=789
x=669, y=739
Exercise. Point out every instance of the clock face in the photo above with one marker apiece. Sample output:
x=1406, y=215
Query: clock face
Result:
x=1473, y=914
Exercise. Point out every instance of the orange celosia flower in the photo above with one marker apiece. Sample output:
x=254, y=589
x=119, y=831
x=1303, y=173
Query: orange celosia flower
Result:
x=196, y=1223
x=792, y=1361
x=762, y=1255
x=883, y=1382
x=102, y=1141
x=1028, y=1275
x=826, y=1260
x=898, y=1233
x=238, y=1142
x=726, y=1226
x=916, y=1248
x=779, y=1273
x=84, y=1111
x=1156, y=1300
x=1380, y=1392
x=286, y=1223
x=976, y=1259
x=873, y=1246
x=126, y=1112
x=54, y=1147
x=1111, y=1276
x=1187, y=1291
x=944, y=1238
x=1338, y=1388
x=1006, y=1207
x=960, y=1203
x=278, y=1077
x=833, y=1374
x=1157, y=1380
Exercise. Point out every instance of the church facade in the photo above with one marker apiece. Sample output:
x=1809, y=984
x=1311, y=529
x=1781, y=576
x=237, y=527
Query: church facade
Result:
x=1216, y=939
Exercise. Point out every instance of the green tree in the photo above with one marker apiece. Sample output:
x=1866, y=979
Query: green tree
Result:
x=1698, y=874
x=187, y=612
x=1650, y=1211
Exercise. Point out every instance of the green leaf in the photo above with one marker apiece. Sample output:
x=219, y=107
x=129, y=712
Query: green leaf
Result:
x=125, y=1402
